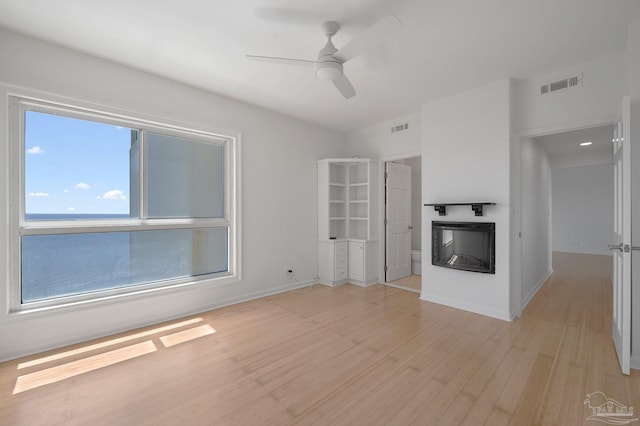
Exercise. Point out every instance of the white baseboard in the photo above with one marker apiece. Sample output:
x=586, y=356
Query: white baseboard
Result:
x=535, y=289
x=363, y=283
x=255, y=295
x=504, y=316
x=329, y=283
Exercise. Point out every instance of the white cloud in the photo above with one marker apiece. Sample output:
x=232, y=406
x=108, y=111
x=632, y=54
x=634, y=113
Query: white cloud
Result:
x=114, y=194
x=35, y=150
x=82, y=185
x=38, y=194
x=72, y=209
x=66, y=190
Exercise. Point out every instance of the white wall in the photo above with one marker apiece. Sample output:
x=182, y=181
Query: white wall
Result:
x=597, y=100
x=378, y=142
x=583, y=209
x=278, y=183
x=466, y=157
x=536, y=219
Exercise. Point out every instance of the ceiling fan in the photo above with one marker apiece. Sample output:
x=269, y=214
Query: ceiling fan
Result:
x=330, y=60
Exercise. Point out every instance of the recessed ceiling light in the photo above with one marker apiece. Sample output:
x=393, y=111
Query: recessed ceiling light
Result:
x=586, y=143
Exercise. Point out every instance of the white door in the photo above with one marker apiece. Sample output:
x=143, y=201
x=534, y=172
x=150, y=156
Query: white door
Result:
x=398, y=225
x=621, y=244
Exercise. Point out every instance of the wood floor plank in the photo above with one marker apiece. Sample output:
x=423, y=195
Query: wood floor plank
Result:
x=484, y=405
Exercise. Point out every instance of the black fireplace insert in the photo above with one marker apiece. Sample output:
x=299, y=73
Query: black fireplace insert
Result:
x=469, y=246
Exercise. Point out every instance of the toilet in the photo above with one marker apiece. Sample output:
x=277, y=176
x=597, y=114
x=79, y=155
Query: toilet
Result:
x=416, y=262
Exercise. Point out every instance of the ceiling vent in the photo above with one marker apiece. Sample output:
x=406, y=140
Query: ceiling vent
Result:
x=565, y=83
x=399, y=127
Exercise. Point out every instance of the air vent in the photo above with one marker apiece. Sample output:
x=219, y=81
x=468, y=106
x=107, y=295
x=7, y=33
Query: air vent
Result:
x=565, y=83
x=399, y=127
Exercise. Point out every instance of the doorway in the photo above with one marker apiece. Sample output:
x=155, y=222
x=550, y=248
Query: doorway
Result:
x=567, y=199
x=403, y=223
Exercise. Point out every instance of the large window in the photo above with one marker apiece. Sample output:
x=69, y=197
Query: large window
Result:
x=108, y=205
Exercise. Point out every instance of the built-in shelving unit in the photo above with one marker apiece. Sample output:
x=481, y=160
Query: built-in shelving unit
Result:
x=344, y=199
x=478, y=208
x=345, y=217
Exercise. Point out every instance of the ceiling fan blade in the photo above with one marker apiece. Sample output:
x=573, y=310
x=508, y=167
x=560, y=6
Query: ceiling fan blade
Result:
x=344, y=86
x=372, y=36
x=287, y=61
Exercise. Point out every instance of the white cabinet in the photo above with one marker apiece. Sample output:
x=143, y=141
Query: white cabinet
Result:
x=333, y=262
x=346, y=221
x=362, y=265
x=356, y=260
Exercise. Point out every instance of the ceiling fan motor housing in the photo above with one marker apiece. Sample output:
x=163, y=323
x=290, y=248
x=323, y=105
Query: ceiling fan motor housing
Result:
x=328, y=66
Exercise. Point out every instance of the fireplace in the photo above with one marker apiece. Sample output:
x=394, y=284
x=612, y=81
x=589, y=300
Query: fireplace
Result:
x=468, y=246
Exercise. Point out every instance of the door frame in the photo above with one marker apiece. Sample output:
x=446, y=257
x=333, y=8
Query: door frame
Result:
x=517, y=260
x=382, y=252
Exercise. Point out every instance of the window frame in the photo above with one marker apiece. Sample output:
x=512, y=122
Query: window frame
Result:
x=19, y=226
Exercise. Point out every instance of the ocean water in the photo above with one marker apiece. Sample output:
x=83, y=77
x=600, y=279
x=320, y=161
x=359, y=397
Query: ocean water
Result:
x=70, y=264
x=78, y=216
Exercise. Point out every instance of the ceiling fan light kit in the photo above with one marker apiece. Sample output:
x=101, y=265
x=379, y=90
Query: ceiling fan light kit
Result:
x=330, y=60
x=329, y=70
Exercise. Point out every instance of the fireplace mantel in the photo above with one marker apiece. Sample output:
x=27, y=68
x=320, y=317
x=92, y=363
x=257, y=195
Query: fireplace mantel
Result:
x=441, y=208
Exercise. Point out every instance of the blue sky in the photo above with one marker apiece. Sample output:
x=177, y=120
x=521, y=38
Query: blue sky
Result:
x=75, y=166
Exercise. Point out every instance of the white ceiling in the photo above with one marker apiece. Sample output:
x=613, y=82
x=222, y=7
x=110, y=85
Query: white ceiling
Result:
x=568, y=143
x=443, y=47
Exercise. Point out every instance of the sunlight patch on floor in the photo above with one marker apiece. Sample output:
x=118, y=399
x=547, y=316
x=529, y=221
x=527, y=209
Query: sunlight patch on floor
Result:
x=75, y=368
x=107, y=343
x=186, y=335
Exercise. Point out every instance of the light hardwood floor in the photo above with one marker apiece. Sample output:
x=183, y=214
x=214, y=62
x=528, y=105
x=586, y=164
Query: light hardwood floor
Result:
x=412, y=283
x=340, y=356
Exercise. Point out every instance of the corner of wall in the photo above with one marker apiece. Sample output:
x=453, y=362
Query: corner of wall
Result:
x=378, y=141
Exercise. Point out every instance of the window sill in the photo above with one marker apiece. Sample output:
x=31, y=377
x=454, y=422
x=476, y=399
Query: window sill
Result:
x=113, y=298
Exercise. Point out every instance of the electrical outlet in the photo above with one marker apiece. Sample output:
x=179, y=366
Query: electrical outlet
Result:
x=290, y=274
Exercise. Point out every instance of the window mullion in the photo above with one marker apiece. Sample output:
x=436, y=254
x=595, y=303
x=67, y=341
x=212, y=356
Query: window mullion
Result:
x=147, y=225
x=142, y=176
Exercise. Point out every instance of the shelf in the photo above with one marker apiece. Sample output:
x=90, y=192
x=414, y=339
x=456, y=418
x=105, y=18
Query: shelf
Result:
x=477, y=208
x=346, y=198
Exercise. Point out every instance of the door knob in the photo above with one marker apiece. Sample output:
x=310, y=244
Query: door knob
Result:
x=614, y=247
